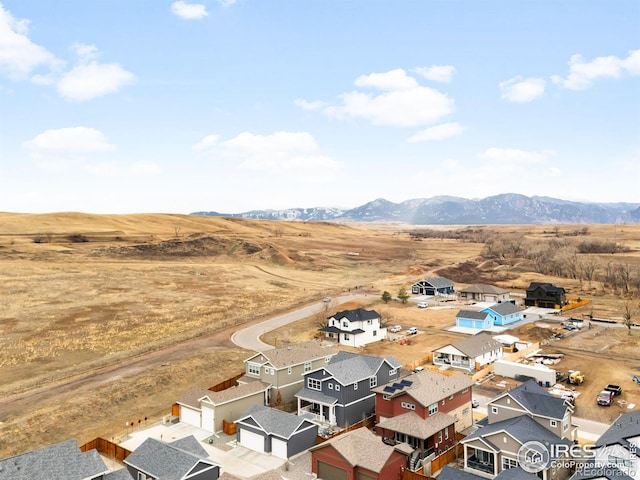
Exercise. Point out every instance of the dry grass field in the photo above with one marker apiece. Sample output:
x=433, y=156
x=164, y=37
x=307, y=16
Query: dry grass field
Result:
x=111, y=318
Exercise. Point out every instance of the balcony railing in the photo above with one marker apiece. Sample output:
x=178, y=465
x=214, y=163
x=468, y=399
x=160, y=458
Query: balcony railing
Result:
x=453, y=363
x=480, y=466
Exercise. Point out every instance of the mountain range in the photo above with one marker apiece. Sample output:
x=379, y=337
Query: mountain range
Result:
x=503, y=209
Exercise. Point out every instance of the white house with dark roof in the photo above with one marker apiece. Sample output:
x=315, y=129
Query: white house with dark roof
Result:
x=284, y=367
x=470, y=353
x=355, y=328
x=433, y=286
x=60, y=461
x=282, y=434
x=208, y=410
x=182, y=459
x=341, y=392
x=616, y=451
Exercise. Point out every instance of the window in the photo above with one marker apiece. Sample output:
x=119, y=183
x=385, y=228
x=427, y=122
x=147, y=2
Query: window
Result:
x=450, y=397
x=620, y=461
x=509, y=463
x=443, y=402
x=327, y=359
x=565, y=426
x=386, y=397
x=330, y=385
x=494, y=409
x=314, y=384
x=465, y=412
x=254, y=369
x=289, y=370
x=553, y=423
x=337, y=387
x=440, y=436
x=142, y=476
x=355, y=386
x=393, y=371
x=307, y=367
x=446, y=434
x=375, y=333
x=408, y=406
x=373, y=382
x=346, y=336
x=345, y=324
x=433, y=408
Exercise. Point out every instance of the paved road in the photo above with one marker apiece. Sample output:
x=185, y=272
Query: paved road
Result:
x=249, y=337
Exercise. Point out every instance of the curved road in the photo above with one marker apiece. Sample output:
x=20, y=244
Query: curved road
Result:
x=249, y=337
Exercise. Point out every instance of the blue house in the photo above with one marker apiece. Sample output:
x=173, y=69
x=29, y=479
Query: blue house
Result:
x=474, y=319
x=341, y=392
x=504, y=313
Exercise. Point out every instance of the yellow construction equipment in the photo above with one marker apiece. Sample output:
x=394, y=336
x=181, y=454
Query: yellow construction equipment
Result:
x=575, y=377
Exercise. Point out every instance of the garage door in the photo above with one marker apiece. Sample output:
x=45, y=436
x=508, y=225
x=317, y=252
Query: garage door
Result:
x=329, y=472
x=362, y=476
x=251, y=440
x=279, y=448
x=190, y=416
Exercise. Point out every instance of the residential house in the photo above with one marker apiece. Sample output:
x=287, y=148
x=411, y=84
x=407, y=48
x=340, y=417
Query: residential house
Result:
x=358, y=455
x=426, y=393
x=179, y=460
x=355, y=328
x=484, y=293
x=268, y=430
x=60, y=461
x=474, y=319
x=502, y=314
x=545, y=295
x=284, y=367
x=341, y=392
x=470, y=354
x=524, y=414
x=615, y=452
x=433, y=286
x=209, y=410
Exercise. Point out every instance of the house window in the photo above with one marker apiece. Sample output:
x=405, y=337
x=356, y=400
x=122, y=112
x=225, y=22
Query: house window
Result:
x=433, y=408
x=369, y=322
x=289, y=370
x=355, y=386
x=565, y=426
x=373, y=382
x=386, y=397
x=375, y=333
x=327, y=359
x=446, y=434
x=440, y=436
x=393, y=371
x=408, y=406
x=620, y=461
x=345, y=324
x=450, y=397
x=443, y=402
x=307, y=367
x=509, y=463
x=314, y=384
x=346, y=336
x=330, y=385
x=254, y=369
x=553, y=423
x=494, y=409
x=337, y=387
x=465, y=412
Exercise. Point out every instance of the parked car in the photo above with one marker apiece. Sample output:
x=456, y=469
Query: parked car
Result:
x=475, y=403
x=605, y=398
x=412, y=331
x=418, y=369
x=615, y=389
x=423, y=304
x=326, y=299
x=395, y=329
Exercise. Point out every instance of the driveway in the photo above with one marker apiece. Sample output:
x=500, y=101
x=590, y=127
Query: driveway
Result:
x=249, y=337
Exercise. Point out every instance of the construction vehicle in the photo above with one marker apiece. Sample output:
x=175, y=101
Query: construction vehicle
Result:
x=575, y=377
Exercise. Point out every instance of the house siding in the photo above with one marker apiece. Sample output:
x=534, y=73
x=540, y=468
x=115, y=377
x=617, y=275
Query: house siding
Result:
x=232, y=411
x=302, y=440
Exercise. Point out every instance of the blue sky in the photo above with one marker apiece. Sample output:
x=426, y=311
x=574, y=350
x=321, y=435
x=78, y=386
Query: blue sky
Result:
x=124, y=106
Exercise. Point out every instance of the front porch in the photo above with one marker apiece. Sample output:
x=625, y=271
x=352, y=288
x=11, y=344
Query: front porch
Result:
x=480, y=462
x=319, y=406
x=454, y=361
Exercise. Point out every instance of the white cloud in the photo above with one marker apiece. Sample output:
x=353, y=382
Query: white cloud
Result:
x=583, y=74
x=521, y=90
x=140, y=168
x=437, y=73
x=514, y=157
x=403, y=103
x=278, y=151
x=438, y=132
x=306, y=105
x=189, y=11
x=92, y=80
x=84, y=51
x=70, y=140
x=19, y=56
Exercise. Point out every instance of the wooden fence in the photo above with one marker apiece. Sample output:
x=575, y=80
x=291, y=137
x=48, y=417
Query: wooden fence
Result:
x=367, y=423
x=228, y=383
x=409, y=475
x=105, y=447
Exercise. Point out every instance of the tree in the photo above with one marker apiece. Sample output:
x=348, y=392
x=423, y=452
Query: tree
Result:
x=403, y=296
x=386, y=297
x=629, y=308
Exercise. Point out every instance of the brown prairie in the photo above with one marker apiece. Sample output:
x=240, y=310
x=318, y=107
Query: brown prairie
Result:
x=108, y=319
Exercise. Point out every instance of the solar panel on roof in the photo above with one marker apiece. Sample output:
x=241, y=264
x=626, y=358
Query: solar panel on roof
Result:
x=398, y=386
x=406, y=383
x=389, y=389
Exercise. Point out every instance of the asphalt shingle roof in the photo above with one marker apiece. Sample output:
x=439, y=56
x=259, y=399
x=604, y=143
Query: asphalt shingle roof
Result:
x=348, y=368
x=438, y=282
x=428, y=387
x=484, y=288
x=450, y=473
x=414, y=425
x=472, y=314
x=316, y=396
x=163, y=460
x=537, y=400
x=274, y=421
x=476, y=345
x=294, y=354
x=61, y=461
x=624, y=427
x=357, y=315
x=504, y=308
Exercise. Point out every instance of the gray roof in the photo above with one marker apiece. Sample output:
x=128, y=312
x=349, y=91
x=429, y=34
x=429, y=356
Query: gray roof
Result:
x=536, y=400
x=592, y=471
x=414, y=425
x=274, y=421
x=426, y=387
x=624, y=427
x=484, y=288
x=473, y=314
x=348, y=368
x=191, y=445
x=547, y=287
x=357, y=315
x=476, y=345
x=450, y=473
x=438, y=282
x=294, y=354
x=361, y=448
x=504, y=308
x=316, y=396
x=516, y=473
x=164, y=460
x=61, y=461
x=523, y=428
x=122, y=474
